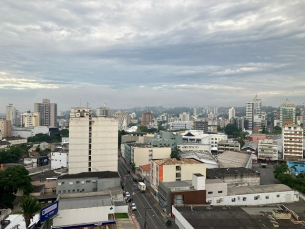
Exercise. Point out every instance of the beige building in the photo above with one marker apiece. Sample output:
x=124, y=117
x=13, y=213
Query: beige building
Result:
x=292, y=141
x=225, y=145
x=31, y=119
x=48, y=113
x=143, y=154
x=5, y=128
x=93, y=142
x=287, y=113
x=169, y=170
x=267, y=150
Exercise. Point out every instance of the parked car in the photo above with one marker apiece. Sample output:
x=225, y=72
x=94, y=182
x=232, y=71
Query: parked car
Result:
x=133, y=207
x=127, y=194
x=129, y=200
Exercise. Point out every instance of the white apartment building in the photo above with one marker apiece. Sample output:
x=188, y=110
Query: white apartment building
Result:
x=47, y=113
x=253, y=108
x=122, y=118
x=181, y=125
x=231, y=113
x=93, y=142
x=185, y=116
x=59, y=160
x=292, y=141
x=267, y=150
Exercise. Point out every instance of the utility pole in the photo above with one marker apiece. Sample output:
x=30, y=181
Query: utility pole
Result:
x=145, y=226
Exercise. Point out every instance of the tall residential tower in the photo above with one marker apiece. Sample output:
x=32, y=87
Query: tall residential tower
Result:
x=47, y=112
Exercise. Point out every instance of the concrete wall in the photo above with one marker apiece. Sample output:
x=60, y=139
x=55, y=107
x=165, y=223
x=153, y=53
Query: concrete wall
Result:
x=121, y=209
x=187, y=170
x=187, y=147
x=59, y=160
x=215, y=188
x=249, y=199
x=181, y=222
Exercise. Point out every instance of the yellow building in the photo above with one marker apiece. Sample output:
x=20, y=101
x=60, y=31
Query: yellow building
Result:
x=32, y=120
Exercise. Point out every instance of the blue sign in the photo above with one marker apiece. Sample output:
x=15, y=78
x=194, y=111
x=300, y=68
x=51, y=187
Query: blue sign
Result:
x=49, y=211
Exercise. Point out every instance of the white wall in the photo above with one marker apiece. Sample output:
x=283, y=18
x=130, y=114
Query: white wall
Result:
x=121, y=209
x=59, y=160
x=181, y=222
x=239, y=199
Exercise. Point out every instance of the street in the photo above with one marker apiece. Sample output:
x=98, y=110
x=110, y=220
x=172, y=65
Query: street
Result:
x=143, y=201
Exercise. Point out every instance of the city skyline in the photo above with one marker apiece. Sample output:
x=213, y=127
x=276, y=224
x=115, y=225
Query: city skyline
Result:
x=132, y=53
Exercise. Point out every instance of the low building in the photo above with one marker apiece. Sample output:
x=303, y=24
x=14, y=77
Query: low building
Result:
x=167, y=139
x=87, y=182
x=169, y=170
x=87, y=211
x=36, y=161
x=215, y=188
x=29, y=131
x=144, y=171
x=181, y=125
x=256, y=195
x=182, y=192
x=235, y=177
x=257, y=137
x=59, y=160
x=228, y=145
x=230, y=159
x=267, y=150
x=38, y=190
x=48, y=179
x=251, y=147
x=16, y=140
x=194, y=146
x=203, y=156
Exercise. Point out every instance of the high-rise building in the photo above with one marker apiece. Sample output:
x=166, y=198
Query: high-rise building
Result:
x=292, y=141
x=146, y=118
x=123, y=119
x=31, y=119
x=287, y=113
x=195, y=111
x=185, y=116
x=12, y=114
x=5, y=128
x=47, y=112
x=93, y=142
x=231, y=113
x=103, y=111
x=253, y=111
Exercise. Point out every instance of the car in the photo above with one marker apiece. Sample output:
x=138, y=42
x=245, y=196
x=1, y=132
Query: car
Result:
x=127, y=194
x=133, y=207
x=129, y=200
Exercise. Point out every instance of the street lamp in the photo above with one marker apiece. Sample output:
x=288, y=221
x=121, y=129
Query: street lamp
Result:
x=145, y=227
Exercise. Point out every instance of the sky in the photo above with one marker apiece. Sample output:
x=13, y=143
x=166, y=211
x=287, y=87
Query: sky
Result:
x=128, y=53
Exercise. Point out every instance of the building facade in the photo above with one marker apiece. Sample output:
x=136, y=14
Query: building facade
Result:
x=253, y=109
x=180, y=125
x=184, y=116
x=5, y=128
x=225, y=145
x=292, y=136
x=103, y=111
x=93, y=142
x=146, y=118
x=287, y=113
x=267, y=150
x=231, y=113
x=31, y=119
x=59, y=160
x=47, y=113
x=201, y=125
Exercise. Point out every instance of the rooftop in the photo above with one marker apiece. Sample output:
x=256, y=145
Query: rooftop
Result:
x=47, y=174
x=101, y=174
x=174, y=161
x=203, y=156
x=258, y=189
x=252, y=145
x=231, y=159
x=145, y=167
x=175, y=184
x=221, y=172
x=85, y=202
x=38, y=188
x=232, y=217
x=214, y=181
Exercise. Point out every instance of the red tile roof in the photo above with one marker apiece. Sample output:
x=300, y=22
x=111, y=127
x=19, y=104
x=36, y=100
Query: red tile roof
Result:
x=145, y=167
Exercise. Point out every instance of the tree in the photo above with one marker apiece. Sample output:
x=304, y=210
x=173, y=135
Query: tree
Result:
x=176, y=153
x=11, y=180
x=277, y=130
x=133, y=167
x=12, y=154
x=142, y=128
x=231, y=130
x=64, y=133
x=30, y=206
x=120, y=133
x=282, y=168
x=37, y=149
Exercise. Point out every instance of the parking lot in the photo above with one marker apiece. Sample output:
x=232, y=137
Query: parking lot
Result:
x=266, y=174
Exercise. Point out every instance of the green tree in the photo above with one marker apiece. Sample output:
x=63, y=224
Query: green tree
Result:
x=64, y=133
x=142, y=128
x=55, y=138
x=133, y=167
x=37, y=149
x=11, y=180
x=277, y=130
x=12, y=154
x=161, y=128
x=30, y=207
x=282, y=168
x=48, y=149
x=232, y=130
x=176, y=153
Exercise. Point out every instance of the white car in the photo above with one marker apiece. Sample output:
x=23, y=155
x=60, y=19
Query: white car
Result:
x=133, y=207
x=127, y=194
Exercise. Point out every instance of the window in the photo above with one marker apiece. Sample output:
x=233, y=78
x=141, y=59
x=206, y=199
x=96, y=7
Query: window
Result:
x=59, y=192
x=267, y=197
x=59, y=183
x=219, y=191
x=64, y=191
x=244, y=198
x=83, y=190
x=68, y=191
x=210, y=192
x=178, y=168
x=277, y=196
x=77, y=182
x=233, y=199
x=255, y=197
x=62, y=182
x=88, y=181
x=70, y=183
x=77, y=190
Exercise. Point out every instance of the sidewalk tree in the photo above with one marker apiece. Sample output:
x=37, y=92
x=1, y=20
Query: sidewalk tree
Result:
x=30, y=207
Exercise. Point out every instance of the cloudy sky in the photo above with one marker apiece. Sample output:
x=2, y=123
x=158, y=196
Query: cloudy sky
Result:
x=130, y=53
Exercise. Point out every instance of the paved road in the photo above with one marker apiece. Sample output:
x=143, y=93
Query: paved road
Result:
x=266, y=174
x=143, y=201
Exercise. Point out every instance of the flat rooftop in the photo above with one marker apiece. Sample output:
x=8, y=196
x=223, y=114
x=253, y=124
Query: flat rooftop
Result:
x=231, y=159
x=101, y=174
x=214, y=181
x=222, y=172
x=229, y=217
x=258, y=189
x=85, y=202
x=174, y=161
x=177, y=184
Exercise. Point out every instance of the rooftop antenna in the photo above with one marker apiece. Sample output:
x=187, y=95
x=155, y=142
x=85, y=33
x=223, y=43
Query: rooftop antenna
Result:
x=87, y=105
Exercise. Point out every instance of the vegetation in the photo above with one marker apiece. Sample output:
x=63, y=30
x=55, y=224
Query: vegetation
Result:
x=133, y=167
x=13, y=154
x=11, y=180
x=145, y=129
x=265, y=131
x=121, y=215
x=64, y=133
x=37, y=149
x=168, y=223
x=282, y=173
x=131, y=124
x=277, y=130
x=30, y=207
x=44, y=138
x=176, y=153
x=232, y=130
